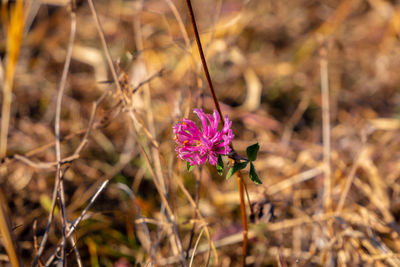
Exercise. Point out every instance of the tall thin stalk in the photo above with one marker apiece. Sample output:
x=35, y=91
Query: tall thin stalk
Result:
x=203, y=59
x=217, y=106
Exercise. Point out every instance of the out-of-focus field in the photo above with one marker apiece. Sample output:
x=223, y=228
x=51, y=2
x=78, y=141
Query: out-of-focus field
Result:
x=335, y=192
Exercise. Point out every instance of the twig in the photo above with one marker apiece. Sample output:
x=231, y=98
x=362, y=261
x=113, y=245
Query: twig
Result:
x=35, y=242
x=77, y=255
x=44, y=165
x=326, y=138
x=248, y=198
x=74, y=225
x=60, y=95
x=195, y=247
x=349, y=182
x=64, y=220
x=49, y=222
x=57, y=133
x=149, y=79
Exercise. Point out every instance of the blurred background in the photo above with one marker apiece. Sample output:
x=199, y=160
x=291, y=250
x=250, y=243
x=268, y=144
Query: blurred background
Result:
x=330, y=192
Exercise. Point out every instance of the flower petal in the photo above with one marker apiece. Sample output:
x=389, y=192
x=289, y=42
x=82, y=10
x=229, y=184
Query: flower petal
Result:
x=197, y=145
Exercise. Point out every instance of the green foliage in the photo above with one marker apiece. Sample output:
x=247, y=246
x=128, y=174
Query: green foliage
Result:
x=236, y=167
x=189, y=167
x=252, y=151
x=253, y=174
x=220, y=165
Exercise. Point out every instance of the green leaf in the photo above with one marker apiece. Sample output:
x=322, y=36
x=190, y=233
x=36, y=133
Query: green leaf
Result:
x=220, y=165
x=252, y=151
x=253, y=174
x=237, y=167
x=189, y=167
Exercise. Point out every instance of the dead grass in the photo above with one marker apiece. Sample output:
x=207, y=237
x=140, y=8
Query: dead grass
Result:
x=123, y=194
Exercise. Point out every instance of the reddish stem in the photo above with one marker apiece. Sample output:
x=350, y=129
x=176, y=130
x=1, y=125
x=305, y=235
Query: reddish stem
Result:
x=217, y=106
x=203, y=59
x=244, y=217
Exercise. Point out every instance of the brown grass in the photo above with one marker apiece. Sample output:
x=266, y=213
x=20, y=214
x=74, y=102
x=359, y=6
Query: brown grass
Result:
x=314, y=82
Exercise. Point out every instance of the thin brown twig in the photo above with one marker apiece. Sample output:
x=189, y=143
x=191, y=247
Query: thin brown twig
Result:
x=77, y=255
x=74, y=225
x=45, y=165
x=35, y=242
x=349, y=182
x=248, y=198
x=64, y=220
x=49, y=222
x=326, y=128
x=195, y=247
x=57, y=134
x=149, y=79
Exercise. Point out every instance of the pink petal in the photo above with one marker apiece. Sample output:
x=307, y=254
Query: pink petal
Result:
x=212, y=159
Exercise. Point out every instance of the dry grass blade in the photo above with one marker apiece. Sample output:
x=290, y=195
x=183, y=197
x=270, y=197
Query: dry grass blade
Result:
x=14, y=38
x=195, y=247
x=180, y=23
x=296, y=76
x=296, y=179
x=7, y=234
x=326, y=128
x=193, y=203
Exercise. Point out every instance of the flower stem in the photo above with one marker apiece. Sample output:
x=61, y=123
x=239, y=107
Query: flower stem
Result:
x=244, y=217
x=203, y=59
x=217, y=106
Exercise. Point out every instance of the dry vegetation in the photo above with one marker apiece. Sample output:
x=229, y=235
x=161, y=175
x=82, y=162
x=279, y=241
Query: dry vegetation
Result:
x=333, y=183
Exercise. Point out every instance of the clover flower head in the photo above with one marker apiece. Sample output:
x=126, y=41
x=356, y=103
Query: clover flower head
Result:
x=199, y=145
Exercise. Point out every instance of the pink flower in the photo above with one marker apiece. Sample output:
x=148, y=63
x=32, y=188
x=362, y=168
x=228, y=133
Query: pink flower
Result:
x=197, y=146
